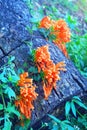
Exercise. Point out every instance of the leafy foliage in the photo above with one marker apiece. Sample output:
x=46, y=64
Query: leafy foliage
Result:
x=9, y=92
x=74, y=119
x=77, y=50
x=8, y=80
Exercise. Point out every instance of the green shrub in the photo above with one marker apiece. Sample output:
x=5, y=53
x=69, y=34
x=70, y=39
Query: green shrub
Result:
x=77, y=50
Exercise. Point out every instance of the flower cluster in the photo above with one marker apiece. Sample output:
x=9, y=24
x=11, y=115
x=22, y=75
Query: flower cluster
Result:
x=59, y=29
x=27, y=95
x=42, y=57
x=45, y=23
x=51, y=70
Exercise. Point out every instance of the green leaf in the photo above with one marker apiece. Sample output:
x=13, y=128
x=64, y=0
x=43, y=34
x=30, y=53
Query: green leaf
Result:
x=83, y=120
x=33, y=70
x=52, y=37
x=26, y=125
x=13, y=77
x=63, y=126
x=54, y=118
x=11, y=59
x=1, y=119
x=29, y=43
x=3, y=78
x=9, y=91
x=33, y=53
x=25, y=65
x=42, y=75
x=73, y=108
x=69, y=127
x=31, y=128
x=7, y=125
x=34, y=20
x=29, y=30
x=34, y=27
x=1, y=107
x=20, y=70
x=55, y=127
x=77, y=98
x=66, y=121
x=80, y=104
x=11, y=109
x=37, y=77
x=44, y=32
x=67, y=108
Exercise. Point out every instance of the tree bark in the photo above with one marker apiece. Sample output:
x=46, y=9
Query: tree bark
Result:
x=14, y=17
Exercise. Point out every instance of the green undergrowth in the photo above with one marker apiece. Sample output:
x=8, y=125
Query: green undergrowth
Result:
x=77, y=50
x=8, y=80
x=75, y=118
x=9, y=114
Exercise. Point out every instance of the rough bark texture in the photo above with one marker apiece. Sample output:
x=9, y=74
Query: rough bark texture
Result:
x=71, y=83
x=14, y=16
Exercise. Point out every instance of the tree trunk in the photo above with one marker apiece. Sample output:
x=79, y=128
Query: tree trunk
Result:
x=14, y=16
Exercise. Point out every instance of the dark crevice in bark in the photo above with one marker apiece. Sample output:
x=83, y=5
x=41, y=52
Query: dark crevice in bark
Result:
x=6, y=54
x=2, y=50
x=58, y=93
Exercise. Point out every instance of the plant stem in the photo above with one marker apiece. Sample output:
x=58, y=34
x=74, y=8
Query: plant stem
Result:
x=79, y=113
x=3, y=99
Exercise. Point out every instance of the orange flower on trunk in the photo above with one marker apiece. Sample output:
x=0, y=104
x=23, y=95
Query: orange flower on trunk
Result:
x=51, y=70
x=45, y=23
x=42, y=57
x=27, y=95
x=60, y=30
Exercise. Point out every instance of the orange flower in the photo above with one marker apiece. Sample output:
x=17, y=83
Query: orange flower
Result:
x=27, y=95
x=47, y=90
x=51, y=71
x=24, y=80
x=62, y=33
x=60, y=30
x=45, y=23
x=42, y=57
x=51, y=77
